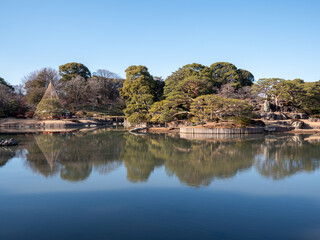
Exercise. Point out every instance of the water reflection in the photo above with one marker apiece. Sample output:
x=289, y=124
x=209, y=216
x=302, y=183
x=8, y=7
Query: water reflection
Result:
x=74, y=156
x=195, y=162
x=285, y=156
x=6, y=153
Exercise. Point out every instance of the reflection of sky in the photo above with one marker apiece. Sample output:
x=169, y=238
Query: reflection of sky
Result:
x=15, y=178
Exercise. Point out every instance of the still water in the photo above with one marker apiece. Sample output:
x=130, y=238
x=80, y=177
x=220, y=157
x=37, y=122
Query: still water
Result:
x=115, y=185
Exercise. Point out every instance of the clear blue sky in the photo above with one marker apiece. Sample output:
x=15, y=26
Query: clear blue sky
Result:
x=267, y=37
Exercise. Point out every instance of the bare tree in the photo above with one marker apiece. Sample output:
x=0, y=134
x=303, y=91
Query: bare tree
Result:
x=76, y=91
x=106, y=73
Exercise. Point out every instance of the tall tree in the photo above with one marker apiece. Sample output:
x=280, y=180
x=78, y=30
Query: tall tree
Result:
x=73, y=69
x=177, y=104
x=189, y=70
x=11, y=103
x=76, y=91
x=158, y=89
x=292, y=91
x=224, y=72
x=268, y=88
x=4, y=83
x=137, y=91
x=312, y=101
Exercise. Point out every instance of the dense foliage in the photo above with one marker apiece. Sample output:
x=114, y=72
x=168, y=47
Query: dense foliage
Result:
x=73, y=69
x=296, y=93
x=139, y=91
x=194, y=92
x=37, y=82
x=212, y=107
x=11, y=103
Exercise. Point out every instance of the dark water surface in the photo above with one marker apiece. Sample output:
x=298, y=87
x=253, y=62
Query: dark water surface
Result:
x=115, y=185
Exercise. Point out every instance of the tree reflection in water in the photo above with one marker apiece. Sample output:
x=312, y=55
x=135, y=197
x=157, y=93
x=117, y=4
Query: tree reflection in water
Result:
x=74, y=156
x=284, y=156
x=194, y=162
x=6, y=153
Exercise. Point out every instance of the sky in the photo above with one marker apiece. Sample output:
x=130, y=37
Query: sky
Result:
x=266, y=37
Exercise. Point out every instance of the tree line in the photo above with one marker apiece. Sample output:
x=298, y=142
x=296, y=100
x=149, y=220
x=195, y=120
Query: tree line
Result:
x=200, y=93
x=194, y=92
x=76, y=86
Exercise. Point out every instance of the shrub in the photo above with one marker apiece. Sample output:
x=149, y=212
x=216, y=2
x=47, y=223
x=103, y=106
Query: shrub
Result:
x=29, y=114
x=243, y=121
x=81, y=114
x=211, y=107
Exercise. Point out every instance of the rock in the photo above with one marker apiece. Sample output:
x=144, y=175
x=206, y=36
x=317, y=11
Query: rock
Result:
x=266, y=106
x=314, y=119
x=270, y=116
x=284, y=116
x=303, y=116
x=126, y=124
x=258, y=123
x=269, y=129
x=138, y=129
x=296, y=116
x=297, y=124
x=278, y=117
x=8, y=142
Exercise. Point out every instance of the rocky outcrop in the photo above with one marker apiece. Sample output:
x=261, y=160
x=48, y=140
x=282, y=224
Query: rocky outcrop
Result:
x=282, y=116
x=297, y=124
x=266, y=106
x=314, y=119
x=8, y=142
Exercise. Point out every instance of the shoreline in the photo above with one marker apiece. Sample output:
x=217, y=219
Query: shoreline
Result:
x=12, y=125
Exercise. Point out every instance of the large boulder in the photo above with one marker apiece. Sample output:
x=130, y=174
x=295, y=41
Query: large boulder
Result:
x=270, y=128
x=304, y=116
x=297, y=124
x=266, y=106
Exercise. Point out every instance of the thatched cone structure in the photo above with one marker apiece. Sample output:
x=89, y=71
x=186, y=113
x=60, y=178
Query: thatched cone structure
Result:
x=50, y=105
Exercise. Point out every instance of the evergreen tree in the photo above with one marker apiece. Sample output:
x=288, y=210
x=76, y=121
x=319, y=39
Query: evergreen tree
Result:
x=137, y=91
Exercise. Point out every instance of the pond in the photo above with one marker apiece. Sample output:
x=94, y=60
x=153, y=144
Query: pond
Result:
x=115, y=185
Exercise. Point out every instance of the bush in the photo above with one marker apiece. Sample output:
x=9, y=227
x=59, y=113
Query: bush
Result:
x=209, y=107
x=29, y=114
x=81, y=114
x=315, y=116
x=258, y=123
x=243, y=121
x=2, y=113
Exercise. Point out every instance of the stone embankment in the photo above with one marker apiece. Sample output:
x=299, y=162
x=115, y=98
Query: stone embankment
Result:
x=8, y=142
x=198, y=130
